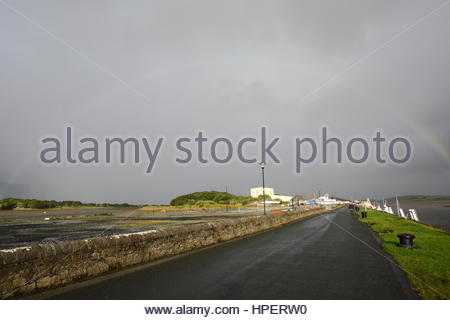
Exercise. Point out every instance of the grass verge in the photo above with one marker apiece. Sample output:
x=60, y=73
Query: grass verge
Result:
x=428, y=264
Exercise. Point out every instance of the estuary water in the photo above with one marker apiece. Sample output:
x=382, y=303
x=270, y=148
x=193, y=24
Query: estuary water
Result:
x=435, y=213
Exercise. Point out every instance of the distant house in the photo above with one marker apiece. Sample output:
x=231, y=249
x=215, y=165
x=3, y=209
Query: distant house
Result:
x=300, y=199
x=256, y=192
x=282, y=198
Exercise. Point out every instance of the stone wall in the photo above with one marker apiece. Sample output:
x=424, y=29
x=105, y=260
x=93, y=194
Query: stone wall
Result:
x=49, y=265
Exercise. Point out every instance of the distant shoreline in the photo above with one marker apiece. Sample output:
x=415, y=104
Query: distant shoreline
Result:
x=420, y=202
x=69, y=208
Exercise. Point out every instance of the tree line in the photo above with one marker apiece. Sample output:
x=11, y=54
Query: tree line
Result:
x=13, y=203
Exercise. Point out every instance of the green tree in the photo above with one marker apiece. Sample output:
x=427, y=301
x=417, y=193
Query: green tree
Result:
x=8, y=204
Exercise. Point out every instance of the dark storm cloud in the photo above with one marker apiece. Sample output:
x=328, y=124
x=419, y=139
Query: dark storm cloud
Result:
x=226, y=68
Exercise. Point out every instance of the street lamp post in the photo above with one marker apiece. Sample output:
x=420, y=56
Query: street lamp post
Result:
x=262, y=165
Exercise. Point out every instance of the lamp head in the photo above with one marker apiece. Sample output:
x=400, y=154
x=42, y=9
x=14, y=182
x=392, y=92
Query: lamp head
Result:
x=262, y=164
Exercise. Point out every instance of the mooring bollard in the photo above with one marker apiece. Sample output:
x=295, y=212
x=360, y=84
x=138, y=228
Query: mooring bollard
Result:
x=363, y=214
x=406, y=240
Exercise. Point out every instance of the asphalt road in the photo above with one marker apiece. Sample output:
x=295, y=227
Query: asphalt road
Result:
x=309, y=259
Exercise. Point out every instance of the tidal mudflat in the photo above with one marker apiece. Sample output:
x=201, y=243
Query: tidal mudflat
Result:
x=27, y=227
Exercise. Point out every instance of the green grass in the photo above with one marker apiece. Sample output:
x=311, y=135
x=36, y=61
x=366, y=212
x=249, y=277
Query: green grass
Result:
x=428, y=264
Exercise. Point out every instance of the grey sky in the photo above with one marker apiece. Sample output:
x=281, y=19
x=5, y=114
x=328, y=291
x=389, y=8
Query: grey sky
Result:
x=226, y=68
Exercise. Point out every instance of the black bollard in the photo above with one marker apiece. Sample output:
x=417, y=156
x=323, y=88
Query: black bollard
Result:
x=363, y=214
x=406, y=240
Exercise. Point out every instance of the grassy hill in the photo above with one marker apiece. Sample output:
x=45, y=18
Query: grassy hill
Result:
x=210, y=198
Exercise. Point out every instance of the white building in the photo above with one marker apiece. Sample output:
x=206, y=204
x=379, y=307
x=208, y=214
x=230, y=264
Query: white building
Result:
x=256, y=192
x=325, y=200
x=282, y=198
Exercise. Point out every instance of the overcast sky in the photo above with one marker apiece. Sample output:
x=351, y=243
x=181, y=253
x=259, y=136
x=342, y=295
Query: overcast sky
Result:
x=172, y=68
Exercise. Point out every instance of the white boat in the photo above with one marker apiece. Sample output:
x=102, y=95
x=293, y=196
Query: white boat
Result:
x=387, y=209
x=325, y=200
x=412, y=213
x=368, y=204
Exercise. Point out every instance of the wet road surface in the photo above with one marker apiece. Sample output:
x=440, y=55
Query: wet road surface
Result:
x=317, y=258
